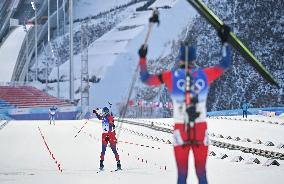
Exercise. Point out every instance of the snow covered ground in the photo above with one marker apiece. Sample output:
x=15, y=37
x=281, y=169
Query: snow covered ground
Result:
x=26, y=159
x=85, y=8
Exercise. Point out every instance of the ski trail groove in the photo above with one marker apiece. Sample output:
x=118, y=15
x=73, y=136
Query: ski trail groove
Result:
x=220, y=144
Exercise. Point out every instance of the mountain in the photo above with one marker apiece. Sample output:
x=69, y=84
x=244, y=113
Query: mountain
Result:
x=259, y=25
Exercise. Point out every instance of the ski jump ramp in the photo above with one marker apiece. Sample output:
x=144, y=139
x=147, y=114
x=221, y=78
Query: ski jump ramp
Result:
x=9, y=52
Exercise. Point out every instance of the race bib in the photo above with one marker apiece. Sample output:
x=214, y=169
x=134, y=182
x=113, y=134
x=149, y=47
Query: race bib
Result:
x=105, y=125
x=105, y=128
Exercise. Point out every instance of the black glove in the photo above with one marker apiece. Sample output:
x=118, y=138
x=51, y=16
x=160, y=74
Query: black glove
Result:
x=113, y=126
x=143, y=51
x=155, y=17
x=107, y=138
x=95, y=110
x=224, y=33
x=192, y=114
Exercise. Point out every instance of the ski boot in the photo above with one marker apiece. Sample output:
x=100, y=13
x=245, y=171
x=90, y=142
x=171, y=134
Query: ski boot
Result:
x=118, y=165
x=101, y=164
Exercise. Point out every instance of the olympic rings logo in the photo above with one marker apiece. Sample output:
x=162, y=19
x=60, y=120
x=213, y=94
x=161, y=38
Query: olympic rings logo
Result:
x=198, y=86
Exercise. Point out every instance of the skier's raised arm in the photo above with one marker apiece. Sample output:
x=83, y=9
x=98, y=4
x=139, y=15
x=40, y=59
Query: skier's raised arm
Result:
x=97, y=114
x=146, y=77
x=216, y=71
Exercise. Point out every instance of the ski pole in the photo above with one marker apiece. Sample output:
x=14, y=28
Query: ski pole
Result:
x=152, y=20
x=148, y=34
x=110, y=107
x=109, y=104
x=80, y=129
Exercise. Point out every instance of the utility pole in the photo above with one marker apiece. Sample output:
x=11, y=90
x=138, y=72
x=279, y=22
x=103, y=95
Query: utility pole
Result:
x=36, y=59
x=58, y=78
x=57, y=64
x=84, y=70
x=27, y=47
x=48, y=20
x=64, y=18
x=57, y=17
x=71, y=70
x=46, y=73
x=46, y=78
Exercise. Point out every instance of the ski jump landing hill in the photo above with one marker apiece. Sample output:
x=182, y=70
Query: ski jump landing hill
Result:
x=9, y=52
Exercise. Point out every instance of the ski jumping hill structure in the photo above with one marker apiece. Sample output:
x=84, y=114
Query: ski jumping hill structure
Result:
x=9, y=53
x=114, y=55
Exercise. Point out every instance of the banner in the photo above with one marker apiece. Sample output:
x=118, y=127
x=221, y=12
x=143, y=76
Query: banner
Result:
x=147, y=104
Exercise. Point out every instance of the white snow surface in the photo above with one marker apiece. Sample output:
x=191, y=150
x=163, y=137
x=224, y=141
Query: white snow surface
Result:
x=9, y=53
x=85, y=8
x=25, y=158
x=164, y=3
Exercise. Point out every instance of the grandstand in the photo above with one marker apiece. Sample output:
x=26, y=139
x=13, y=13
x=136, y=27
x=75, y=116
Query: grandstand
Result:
x=29, y=103
x=27, y=97
x=5, y=105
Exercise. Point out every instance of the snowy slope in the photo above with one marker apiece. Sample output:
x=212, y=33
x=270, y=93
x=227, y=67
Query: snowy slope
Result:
x=9, y=52
x=113, y=57
x=97, y=54
x=164, y=3
x=85, y=8
x=29, y=161
x=115, y=85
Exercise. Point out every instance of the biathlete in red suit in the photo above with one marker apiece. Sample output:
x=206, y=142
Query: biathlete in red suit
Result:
x=200, y=81
x=108, y=135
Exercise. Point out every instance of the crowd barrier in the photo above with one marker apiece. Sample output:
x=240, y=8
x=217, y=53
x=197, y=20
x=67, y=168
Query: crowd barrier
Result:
x=268, y=111
x=63, y=113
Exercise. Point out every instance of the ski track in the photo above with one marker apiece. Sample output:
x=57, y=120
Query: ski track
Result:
x=25, y=159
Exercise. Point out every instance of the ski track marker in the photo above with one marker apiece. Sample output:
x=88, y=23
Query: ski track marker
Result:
x=50, y=153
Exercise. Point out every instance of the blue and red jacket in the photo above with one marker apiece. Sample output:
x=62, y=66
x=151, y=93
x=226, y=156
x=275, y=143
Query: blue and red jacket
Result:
x=107, y=122
x=200, y=81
